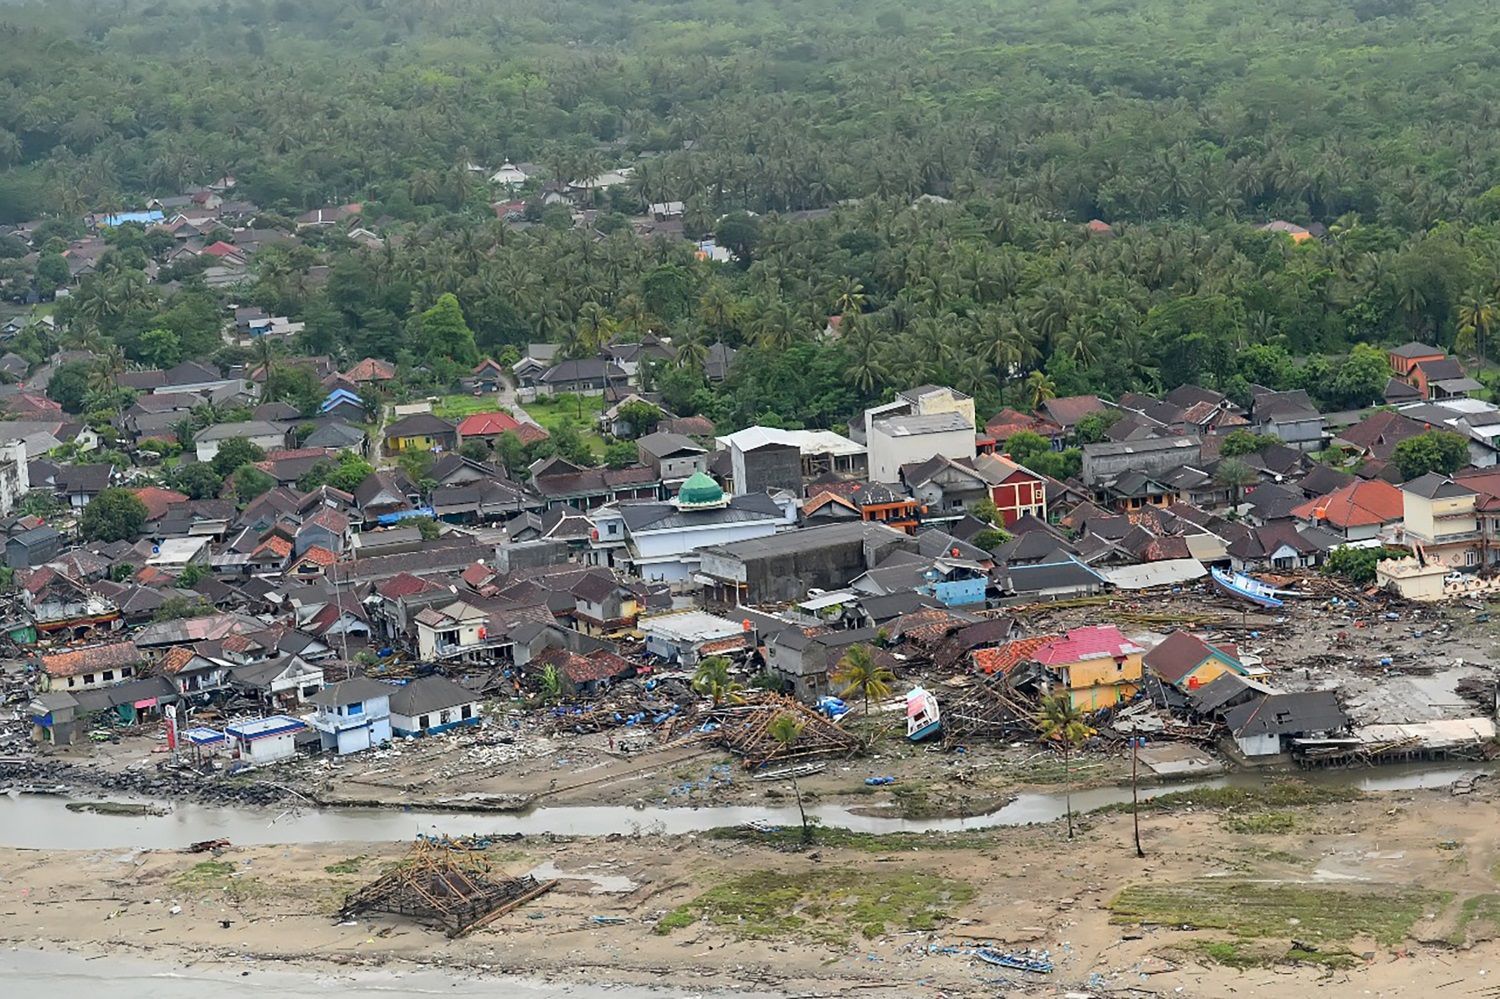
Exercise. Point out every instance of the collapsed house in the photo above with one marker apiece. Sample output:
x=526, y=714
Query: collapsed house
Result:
x=440, y=886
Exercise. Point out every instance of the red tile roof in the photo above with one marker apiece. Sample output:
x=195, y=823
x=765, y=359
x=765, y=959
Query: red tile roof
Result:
x=176, y=658
x=598, y=665
x=403, y=584
x=158, y=500
x=276, y=545
x=371, y=369
x=318, y=555
x=488, y=424
x=1008, y=656
x=1361, y=503
x=1079, y=644
x=78, y=661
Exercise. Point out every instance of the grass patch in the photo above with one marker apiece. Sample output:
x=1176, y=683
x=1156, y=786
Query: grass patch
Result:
x=1479, y=912
x=867, y=842
x=456, y=407
x=1251, y=909
x=349, y=865
x=1278, y=794
x=825, y=906
x=1270, y=822
x=1243, y=955
x=568, y=410
x=209, y=876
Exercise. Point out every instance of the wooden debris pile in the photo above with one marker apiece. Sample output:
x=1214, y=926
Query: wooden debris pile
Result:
x=745, y=731
x=440, y=886
x=990, y=710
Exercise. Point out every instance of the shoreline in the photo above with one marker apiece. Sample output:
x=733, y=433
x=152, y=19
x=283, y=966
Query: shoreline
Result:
x=652, y=909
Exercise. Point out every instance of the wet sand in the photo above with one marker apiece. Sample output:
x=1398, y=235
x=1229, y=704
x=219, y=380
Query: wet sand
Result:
x=1030, y=888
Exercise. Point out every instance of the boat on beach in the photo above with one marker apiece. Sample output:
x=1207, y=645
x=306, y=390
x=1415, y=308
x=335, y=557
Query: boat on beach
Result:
x=923, y=720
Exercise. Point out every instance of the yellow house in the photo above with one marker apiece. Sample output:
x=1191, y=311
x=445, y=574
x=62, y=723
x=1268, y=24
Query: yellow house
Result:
x=421, y=432
x=1188, y=662
x=1098, y=666
x=1441, y=516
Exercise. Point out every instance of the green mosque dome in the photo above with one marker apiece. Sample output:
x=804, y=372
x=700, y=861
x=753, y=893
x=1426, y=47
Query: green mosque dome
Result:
x=699, y=492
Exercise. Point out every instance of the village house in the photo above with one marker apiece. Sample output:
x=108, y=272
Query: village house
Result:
x=284, y=682
x=1355, y=512
x=1188, y=662
x=766, y=458
x=1098, y=666
x=897, y=441
x=421, y=432
x=87, y=668
x=945, y=488
x=352, y=716
x=429, y=705
x=603, y=604
x=266, y=436
x=1441, y=516
x=1015, y=490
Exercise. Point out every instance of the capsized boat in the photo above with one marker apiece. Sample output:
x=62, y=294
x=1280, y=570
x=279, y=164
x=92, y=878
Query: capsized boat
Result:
x=1244, y=587
x=922, y=717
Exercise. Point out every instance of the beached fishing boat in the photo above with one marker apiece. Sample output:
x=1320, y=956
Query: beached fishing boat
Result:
x=922, y=717
x=1243, y=587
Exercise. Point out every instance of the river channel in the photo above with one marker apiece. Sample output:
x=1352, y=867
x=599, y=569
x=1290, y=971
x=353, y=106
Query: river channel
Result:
x=45, y=823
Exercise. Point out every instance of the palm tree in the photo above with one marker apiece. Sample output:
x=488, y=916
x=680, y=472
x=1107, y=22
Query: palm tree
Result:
x=691, y=348
x=712, y=679
x=1477, y=312
x=785, y=728
x=1040, y=388
x=1059, y=720
x=858, y=672
x=1235, y=474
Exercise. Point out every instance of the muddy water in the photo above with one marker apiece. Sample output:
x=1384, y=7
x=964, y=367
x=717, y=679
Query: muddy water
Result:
x=46, y=823
x=36, y=973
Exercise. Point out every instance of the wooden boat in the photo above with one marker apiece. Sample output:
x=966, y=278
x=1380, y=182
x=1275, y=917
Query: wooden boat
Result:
x=923, y=720
x=1243, y=587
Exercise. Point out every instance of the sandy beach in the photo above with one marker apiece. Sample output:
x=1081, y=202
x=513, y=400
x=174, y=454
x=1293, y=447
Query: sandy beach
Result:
x=1365, y=897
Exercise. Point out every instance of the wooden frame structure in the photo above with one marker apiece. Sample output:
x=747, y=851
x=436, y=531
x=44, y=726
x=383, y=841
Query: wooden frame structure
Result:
x=744, y=732
x=991, y=710
x=436, y=884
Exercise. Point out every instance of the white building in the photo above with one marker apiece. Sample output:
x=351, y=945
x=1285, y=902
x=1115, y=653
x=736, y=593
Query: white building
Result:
x=678, y=636
x=14, y=481
x=509, y=175
x=432, y=704
x=660, y=541
x=906, y=440
x=922, y=422
x=353, y=715
x=267, y=436
x=265, y=740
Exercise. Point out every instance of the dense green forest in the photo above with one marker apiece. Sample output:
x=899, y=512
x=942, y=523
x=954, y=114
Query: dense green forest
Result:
x=1181, y=125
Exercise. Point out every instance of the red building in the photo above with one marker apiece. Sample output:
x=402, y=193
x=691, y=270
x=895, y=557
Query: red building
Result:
x=1014, y=489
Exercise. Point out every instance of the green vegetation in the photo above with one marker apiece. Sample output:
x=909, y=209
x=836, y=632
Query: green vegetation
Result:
x=457, y=406
x=1434, y=451
x=824, y=906
x=1270, y=822
x=114, y=515
x=570, y=414
x=218, y=876
x=834, y=837
x=1478, y=919
x=1244, y=955
x=1261, y=909
x=349, y=865
x=1281, y=794
x=1357, y=565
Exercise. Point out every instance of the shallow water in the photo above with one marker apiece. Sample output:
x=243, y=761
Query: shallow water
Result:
x=46, y=823
x=36, y=973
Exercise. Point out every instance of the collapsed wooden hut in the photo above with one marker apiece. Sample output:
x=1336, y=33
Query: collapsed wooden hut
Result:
x=440, y=886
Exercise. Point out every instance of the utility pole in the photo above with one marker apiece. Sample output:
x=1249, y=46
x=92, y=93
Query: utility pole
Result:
x=1135, y=800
